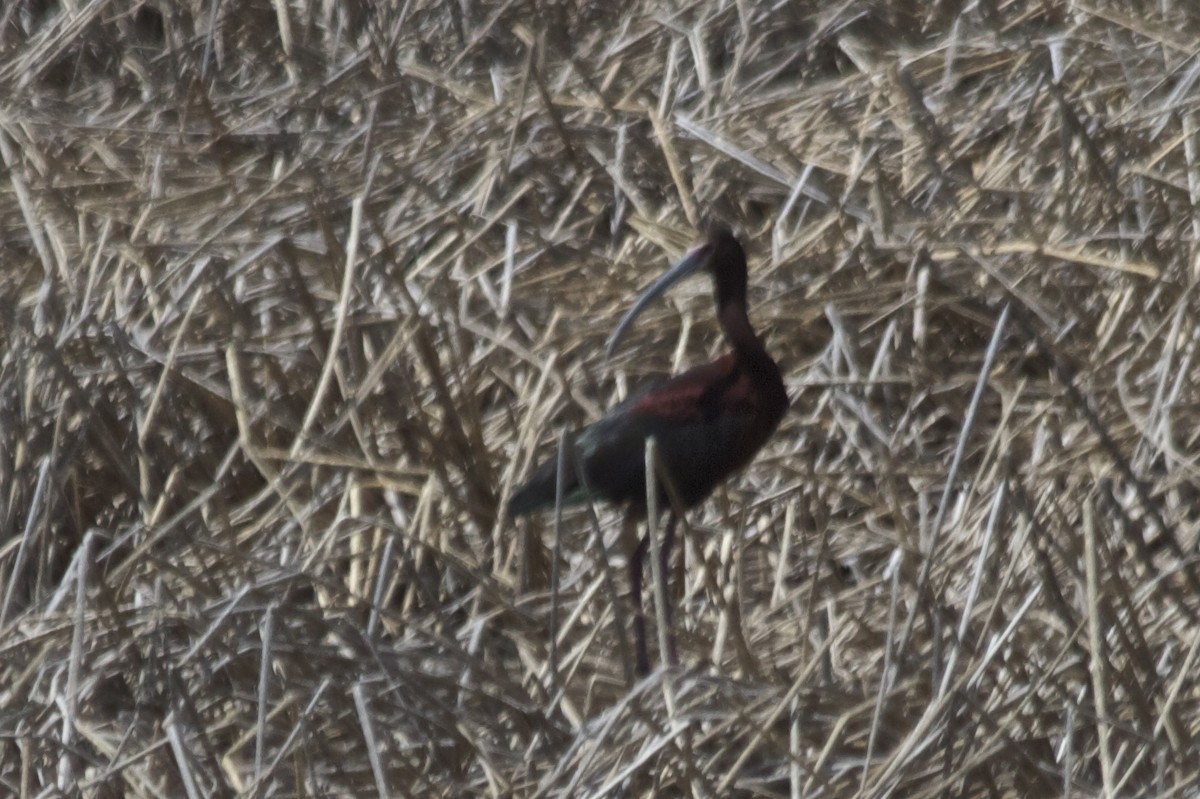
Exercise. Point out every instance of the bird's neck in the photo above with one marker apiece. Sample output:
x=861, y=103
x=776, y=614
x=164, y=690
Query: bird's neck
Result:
x=738, y=332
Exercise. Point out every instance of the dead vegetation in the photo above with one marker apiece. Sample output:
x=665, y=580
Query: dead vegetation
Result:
x=293, y=293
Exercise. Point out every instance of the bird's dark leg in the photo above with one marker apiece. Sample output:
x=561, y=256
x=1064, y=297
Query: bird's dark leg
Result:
x=637, y=562
x=636, y=559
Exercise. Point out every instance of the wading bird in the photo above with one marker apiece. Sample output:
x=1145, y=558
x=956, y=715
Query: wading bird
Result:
x=709, y=421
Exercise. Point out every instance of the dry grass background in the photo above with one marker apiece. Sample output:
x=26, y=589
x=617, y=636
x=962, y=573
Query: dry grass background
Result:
x=293, y=293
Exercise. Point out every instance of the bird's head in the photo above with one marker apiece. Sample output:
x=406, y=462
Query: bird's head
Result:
x=721, y=256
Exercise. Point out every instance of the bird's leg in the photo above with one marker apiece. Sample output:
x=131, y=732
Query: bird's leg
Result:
x=637, y=562
x=636, y=559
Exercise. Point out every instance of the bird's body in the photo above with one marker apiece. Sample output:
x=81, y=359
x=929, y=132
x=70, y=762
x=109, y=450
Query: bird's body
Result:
x=709, y=421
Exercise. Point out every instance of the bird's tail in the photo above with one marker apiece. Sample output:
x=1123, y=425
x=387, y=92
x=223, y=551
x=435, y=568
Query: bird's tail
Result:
x=539, y=491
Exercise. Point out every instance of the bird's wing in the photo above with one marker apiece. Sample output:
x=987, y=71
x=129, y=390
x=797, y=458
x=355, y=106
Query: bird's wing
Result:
x=702, y=420
x=698, y=396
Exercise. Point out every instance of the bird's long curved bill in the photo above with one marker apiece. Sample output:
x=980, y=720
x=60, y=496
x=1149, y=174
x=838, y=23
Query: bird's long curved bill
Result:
x=687, y=265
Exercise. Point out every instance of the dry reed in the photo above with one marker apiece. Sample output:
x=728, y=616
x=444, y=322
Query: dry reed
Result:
x=293, y=294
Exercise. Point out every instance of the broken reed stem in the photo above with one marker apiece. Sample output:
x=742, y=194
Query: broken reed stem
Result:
x=656, y=565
